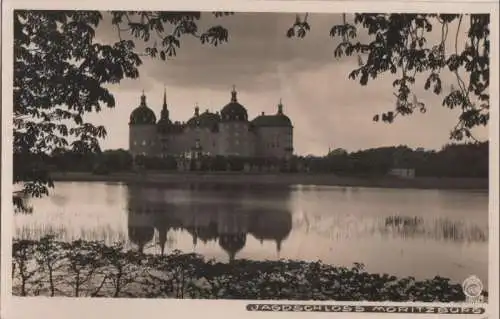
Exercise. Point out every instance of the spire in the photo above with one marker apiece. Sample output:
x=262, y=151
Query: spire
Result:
x=233, y=95
x=164, y=98
x=143, y=99
x=232, y=256
x=162, y=239
x=280, y=108
x=164, y=109
x=196, y=110
x=195, y=239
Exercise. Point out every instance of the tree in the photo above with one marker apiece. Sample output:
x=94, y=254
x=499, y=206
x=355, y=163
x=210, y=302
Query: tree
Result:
x=61, y=73
x=399, y=46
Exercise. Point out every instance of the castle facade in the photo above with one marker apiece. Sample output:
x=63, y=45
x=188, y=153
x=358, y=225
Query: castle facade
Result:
x=226, y=133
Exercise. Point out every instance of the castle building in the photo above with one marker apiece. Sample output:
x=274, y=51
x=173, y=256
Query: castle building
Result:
x=227, y=133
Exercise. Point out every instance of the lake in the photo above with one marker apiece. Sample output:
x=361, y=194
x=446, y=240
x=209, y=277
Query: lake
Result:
x=402, y=232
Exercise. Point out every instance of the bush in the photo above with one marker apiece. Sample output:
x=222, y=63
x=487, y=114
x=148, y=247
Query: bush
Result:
x=88, y=268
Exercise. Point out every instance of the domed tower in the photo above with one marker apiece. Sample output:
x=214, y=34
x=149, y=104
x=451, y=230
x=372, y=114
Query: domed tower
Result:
x=236, y=139
x=274, y=134
x=232, y=244
x=273, y=225
x=142, y=130
x=140, y=235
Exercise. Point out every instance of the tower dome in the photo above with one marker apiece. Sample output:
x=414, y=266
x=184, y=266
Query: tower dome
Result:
x=234, y=111
x=140, y=235
x=275, y=225
x=232, y=244
x=142, y=115
x=206, y=119
x=277, y=120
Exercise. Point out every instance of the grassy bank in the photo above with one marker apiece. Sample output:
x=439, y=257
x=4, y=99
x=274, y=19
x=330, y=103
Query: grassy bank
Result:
x=81, y=268
x=175, y=178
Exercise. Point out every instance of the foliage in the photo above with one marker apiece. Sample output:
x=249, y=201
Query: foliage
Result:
x=398, y=45
x=61, y=73
x=453, y=160
x=93, y=269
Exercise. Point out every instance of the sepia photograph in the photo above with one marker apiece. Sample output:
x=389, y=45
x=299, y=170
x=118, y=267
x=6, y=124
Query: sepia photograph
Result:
x=258, y=156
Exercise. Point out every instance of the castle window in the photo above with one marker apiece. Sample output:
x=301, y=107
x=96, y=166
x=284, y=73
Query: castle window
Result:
x=144, y=142
x=135, y=142
x=237, y=142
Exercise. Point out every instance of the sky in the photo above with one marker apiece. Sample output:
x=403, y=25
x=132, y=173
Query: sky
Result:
x=327, y=109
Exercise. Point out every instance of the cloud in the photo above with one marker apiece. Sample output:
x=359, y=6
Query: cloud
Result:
x=256, y=50
x=327, y=108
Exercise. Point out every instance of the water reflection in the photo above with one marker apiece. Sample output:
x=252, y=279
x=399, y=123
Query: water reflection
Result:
x=402, y=232
x=437, y=229
x=207, y=218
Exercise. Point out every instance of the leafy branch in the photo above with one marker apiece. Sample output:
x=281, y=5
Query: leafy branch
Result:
x=169, y=28
x=61, y=73
x=399, y=45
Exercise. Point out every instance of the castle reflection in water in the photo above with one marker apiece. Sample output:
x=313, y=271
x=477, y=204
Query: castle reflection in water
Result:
x=227, y=222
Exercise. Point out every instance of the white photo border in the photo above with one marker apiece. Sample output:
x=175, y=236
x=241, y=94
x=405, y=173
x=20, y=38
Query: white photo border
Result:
x=55, y=308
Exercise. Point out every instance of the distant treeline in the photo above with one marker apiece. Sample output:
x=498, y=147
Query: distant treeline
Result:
x=454, y=160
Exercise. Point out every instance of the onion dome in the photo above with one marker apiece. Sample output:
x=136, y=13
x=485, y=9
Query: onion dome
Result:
x=277, y=120
x=234, y=111
x=206, y=119
x=140, y=235
x=209, y=120
x=232, y=244
x=274, y=225
x=142, y=115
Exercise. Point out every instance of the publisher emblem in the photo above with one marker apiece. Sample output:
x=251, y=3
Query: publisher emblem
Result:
x=472, y=287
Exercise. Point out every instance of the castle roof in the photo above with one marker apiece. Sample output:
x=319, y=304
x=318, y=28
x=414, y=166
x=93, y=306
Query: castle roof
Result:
x=276, y=120
x=140, y=235
x=275, y=225
x=234, y=111
x=232, y=244
x=206, y=119
x=142, y=115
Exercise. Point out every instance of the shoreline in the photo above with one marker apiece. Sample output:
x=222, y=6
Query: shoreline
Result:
x=277, y=179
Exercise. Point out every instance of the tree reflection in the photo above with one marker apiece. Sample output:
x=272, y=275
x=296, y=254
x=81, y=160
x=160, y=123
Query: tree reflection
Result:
x=437, y=228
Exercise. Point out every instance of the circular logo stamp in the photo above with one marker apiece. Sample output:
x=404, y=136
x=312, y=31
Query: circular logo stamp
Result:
x=472, y=287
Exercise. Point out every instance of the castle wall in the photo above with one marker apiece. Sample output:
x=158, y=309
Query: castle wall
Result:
x=208, y=139
x=274, y=141
x=235, y=139
x=171, y=144
x=143, y=140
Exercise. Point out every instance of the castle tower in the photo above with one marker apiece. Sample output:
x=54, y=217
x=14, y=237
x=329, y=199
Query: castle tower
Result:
x=142, y=130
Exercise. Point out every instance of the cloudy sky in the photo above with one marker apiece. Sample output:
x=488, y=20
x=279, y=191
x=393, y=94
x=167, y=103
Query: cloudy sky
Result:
x=327, y=109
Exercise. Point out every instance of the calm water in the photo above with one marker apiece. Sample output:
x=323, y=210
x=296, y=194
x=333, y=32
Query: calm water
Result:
x=420, y=233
